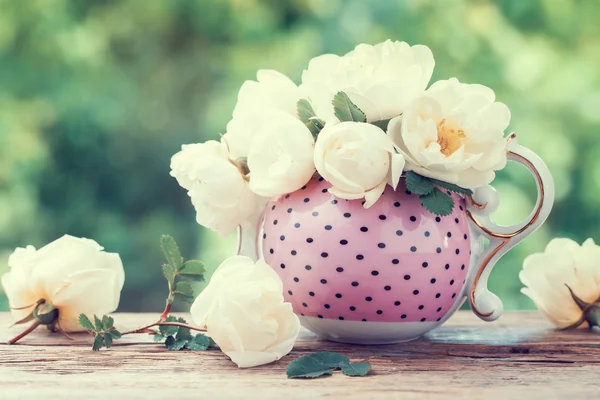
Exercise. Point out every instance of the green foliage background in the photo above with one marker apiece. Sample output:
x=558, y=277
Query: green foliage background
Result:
x=96, y=95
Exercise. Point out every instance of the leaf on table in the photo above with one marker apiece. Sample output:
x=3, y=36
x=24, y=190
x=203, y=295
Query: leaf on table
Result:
x=199, y=343
x=173, y=344
x=437, y=202
x=98, y=342
x=418, y=184
x=346, y=110
x=330, y=358
x=85, y=322
x=356, y=369
x=307, y=367
x=171, y=251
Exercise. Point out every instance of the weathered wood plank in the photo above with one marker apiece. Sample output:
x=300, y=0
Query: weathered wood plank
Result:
x=518, y=356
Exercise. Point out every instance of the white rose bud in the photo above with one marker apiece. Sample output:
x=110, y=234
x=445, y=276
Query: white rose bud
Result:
x=243, y=311
x=358, y=159
x=73, y=275
x=218, y=189
x=563, y=267
x=271, y=91
x=281, y=157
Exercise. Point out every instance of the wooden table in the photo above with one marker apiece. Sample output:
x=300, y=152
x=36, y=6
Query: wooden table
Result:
x=520, y=356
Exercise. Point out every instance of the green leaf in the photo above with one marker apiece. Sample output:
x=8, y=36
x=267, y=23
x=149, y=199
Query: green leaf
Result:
x=184, y=288
x=98, y=341
x=437, y=202
x=98, y=323
x=418, y=184
x=382, y=124
x=452, y=187
x=331, y=359
x=115, y=334
x=184, y=334
x=193, y=267
x=305, y=110
x=356, y=369
x=346, y=110
x=108, y=339
x=85, y=322
x=173, y=344
x=107, y=322
x=186, y=298
x=307, y=367
x=169, y=273
x=168, y=330
x=171, y=251
x=307, y=115
x=199, y=343
x=158, y=338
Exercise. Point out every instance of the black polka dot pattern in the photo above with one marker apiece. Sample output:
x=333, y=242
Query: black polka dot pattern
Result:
x=392, y=262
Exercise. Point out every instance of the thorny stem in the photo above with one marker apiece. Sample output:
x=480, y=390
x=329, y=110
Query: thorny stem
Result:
x=26, y=332
x=159, y=323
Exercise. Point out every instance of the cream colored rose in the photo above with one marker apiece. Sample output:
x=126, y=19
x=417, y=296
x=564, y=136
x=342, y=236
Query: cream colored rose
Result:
x=72, y=274
x=271, y=91
x=564, y=263
x=243, y=311
x=218, y=188
x=381, y=80
x=358, y=159
x=281, y=156
x=454, y=133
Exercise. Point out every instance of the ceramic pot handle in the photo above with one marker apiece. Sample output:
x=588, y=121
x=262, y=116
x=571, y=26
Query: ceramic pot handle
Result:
x=481, y=204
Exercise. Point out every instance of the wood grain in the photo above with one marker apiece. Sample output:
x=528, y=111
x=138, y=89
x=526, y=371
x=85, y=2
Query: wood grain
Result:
x=519, y=356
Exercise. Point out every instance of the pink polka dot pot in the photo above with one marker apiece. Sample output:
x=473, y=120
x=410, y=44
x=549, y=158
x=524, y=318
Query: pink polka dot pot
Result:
x=394, y=271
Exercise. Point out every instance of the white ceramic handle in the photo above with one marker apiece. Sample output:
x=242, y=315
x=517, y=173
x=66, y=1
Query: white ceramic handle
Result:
x=485, y=304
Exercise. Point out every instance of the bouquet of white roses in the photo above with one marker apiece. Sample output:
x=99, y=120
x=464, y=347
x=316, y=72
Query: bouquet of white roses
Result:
x=360, y=121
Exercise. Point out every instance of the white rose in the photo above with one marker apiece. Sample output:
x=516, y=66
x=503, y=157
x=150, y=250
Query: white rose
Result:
x=218, y=189
x=273, y=91
x=381, y=79
x=454, y=133
x=243, y=311
x=281, y=156
x=358, y=159
x=546, y=276
x=73, y=275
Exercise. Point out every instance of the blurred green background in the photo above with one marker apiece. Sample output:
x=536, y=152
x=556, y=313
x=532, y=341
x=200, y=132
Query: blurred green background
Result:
x=96, y=96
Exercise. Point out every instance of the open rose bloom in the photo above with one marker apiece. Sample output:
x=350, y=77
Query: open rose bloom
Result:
x=564, y=282
x=67, y=277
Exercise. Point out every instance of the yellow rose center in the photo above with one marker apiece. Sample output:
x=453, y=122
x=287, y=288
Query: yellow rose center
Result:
x=449, y=138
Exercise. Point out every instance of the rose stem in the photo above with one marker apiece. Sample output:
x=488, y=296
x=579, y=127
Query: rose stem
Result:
x=143, y=329
x=26, y=332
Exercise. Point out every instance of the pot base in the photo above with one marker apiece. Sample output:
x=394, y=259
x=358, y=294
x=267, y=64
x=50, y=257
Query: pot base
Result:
x=359, y=332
